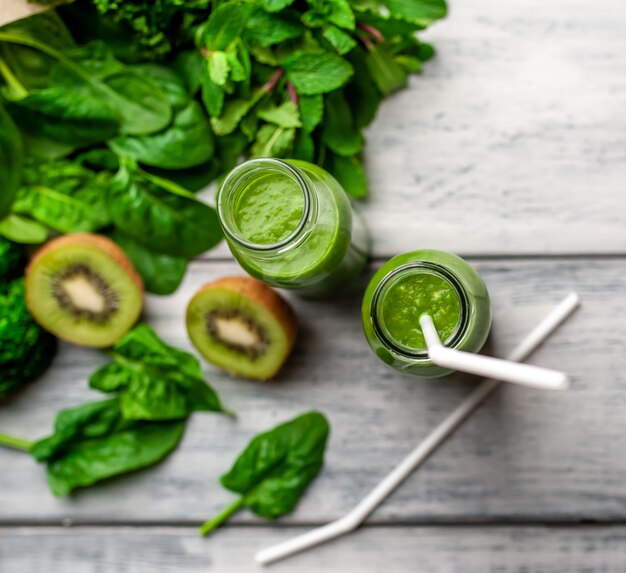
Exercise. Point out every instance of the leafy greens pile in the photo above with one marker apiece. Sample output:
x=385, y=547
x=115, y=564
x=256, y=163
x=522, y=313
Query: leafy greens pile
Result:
x=156, y=387
x=113, y=113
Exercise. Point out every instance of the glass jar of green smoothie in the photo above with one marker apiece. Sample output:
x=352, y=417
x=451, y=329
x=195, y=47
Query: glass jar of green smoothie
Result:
x=436, y=283
x=290, y=224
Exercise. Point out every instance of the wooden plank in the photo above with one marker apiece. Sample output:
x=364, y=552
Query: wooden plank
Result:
x=526, y=454
x=513, y=140
x=370, y=550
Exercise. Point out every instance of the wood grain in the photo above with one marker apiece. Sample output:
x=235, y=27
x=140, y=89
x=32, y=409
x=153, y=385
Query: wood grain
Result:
x=525, y=455
x=370, y=550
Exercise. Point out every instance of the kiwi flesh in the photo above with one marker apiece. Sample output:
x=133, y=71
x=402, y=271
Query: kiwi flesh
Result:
x=84, y=289
x=243, y=326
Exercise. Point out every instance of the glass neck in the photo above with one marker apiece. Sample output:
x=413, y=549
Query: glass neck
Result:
x=239, y=179
x=419, y=354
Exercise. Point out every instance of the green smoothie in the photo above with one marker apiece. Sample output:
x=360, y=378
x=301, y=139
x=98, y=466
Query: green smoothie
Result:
x=269, y=209
x=437, y=283
x=412, y=295
x=290, y=224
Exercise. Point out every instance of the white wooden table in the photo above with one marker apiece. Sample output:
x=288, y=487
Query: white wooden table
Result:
x=509, y=150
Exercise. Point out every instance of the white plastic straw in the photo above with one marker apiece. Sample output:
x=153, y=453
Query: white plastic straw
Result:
x=503, y=370
x=354, y=518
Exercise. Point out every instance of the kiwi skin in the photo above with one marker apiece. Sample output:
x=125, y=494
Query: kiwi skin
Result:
x=90, y=239
x=265, y=296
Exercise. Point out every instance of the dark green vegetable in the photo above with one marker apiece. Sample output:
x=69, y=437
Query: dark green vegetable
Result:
x=275, y=468
x=92, y=442
x=26, y=350
x=154, y=381
x=160, y=214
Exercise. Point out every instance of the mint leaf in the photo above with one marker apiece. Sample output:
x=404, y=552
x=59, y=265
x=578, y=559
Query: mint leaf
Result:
x=224, y=26
x=421, y=12
x=212, y=94
x=339, y=132
x=218, y=68
x=276, y=5
x=284, y=115
x=304, y=148
x=311, y=111
x=387, y=74
x=273, y=141
x=263, y=29
x=339, y=40
x=233, y=113
x=317, y=72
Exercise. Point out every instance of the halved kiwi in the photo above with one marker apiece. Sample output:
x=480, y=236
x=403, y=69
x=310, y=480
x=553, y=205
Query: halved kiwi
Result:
x=242, y=326
x=83, y=289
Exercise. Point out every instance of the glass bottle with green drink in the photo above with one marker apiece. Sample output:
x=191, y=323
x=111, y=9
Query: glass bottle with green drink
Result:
x=290, y=224
x=436, y=283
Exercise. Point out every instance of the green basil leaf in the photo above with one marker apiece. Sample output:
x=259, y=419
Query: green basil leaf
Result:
x=277, y=466
x=154, y=381
x=11, y=161
x=273, y=141
x=421, y=12
x=316, y=72
x=339, y=40
x=161, y=274
x=285, y=115
x=187, y=142
x=160, y=214
x=64, y=196
x=339, y=132
x=23, y=230
x=311, y=111
x=351, y=175
x=92, y=442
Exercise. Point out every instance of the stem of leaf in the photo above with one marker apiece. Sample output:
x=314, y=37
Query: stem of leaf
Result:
x=15, y=443
x=222, y=516
x=271, y=83
x=14, y=84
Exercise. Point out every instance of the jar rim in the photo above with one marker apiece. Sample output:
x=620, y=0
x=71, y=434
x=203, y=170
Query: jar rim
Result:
x=445, y=273
x=235, y=180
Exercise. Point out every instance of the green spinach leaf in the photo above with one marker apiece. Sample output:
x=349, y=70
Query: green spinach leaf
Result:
x=275, y=468
x=161, y=274
x=92, y=442
x=23, y=230
x=154, y=381
x=161, y=215
x=187, y=142
x=317, y=72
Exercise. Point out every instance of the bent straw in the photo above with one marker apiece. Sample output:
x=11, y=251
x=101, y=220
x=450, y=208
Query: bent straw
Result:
x=503, y=370
x=354, y=518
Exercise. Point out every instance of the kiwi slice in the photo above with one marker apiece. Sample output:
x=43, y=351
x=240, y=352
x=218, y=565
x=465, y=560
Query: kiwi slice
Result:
x=83, y=289
x=242, y=326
